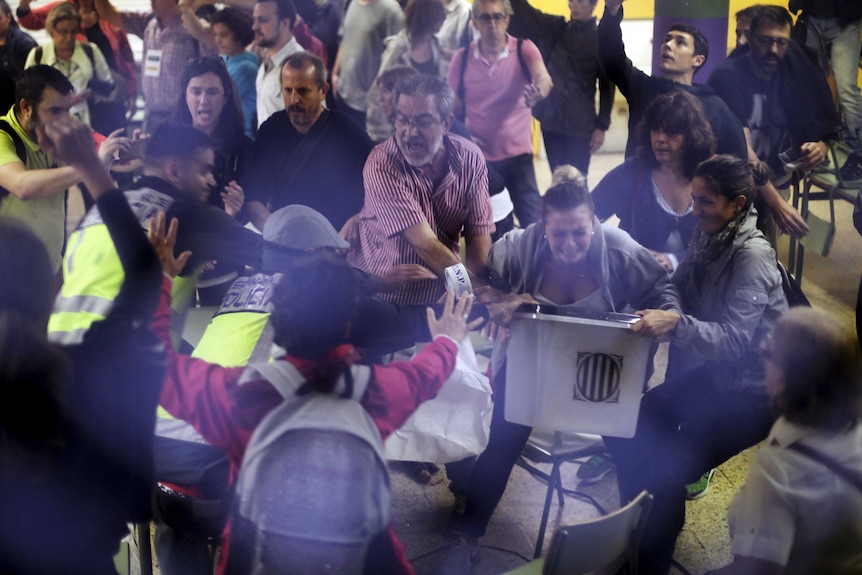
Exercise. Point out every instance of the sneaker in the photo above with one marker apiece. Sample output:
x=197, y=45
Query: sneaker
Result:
x=699, y=488
x=594, y=469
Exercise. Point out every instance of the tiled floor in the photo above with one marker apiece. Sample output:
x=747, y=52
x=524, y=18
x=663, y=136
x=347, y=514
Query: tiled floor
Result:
x=420, y=513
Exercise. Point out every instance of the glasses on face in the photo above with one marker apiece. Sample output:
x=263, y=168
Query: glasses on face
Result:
x=488, y=18
x=769, y=42
x=418, y=122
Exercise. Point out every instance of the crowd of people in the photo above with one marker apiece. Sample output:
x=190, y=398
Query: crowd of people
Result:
x=327, y=178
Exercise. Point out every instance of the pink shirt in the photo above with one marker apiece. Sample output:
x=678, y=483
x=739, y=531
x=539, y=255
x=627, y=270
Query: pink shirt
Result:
x=496, y=112
x=398, y=196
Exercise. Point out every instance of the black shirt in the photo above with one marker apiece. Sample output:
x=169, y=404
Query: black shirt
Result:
x=328, y=178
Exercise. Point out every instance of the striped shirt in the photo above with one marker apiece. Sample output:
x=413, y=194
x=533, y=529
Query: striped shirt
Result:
x=398, y=196
x=167, y=50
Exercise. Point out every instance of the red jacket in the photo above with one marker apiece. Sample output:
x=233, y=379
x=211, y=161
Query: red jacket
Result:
x=226, y=414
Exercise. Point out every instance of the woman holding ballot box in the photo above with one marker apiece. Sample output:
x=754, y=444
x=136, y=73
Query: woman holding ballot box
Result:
x=567, y=259
x=713, y=403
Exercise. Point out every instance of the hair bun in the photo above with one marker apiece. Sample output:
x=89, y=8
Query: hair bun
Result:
x=567, y=173
x=760, y=172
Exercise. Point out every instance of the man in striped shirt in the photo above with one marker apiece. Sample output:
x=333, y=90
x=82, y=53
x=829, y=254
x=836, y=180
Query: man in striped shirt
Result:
x=423, y=186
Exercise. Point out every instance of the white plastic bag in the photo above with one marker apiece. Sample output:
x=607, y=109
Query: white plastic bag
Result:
x=453, y=425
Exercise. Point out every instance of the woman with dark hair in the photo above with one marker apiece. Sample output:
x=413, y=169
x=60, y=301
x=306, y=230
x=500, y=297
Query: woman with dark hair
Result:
x=797, y=512
x=713, y=403
x=415, y=46
x=209, y=102
x=568, y=260
x=232, y=33
x=76, y=422
x=651, y=192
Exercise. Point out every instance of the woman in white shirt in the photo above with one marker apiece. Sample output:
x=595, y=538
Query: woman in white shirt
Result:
x=82, y=63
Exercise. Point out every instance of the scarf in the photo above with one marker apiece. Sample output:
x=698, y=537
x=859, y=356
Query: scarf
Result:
x=709, y=248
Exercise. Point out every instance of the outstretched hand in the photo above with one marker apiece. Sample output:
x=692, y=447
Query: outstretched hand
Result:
x=164, y=244
x=453, y=320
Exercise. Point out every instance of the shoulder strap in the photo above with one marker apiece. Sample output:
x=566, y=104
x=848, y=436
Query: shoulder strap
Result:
x=38, y=55
x=834, y=466
x=20, y=149
x=462, y=69
x=88, y=50
x=302, y=152
x=524, y=69
x=284, y=376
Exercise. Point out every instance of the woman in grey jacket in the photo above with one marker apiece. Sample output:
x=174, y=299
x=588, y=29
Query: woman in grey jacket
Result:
x=713, y=403
x=567, y=259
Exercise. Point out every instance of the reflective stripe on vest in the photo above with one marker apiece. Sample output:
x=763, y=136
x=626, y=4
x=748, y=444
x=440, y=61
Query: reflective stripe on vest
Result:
x=238, y=334
x=92, y=271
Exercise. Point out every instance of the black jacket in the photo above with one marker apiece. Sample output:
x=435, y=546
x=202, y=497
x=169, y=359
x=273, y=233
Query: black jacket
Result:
x=570, y=51
x=640, y=90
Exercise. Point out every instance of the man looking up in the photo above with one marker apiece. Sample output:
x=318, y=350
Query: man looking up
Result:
x=306, y=154
x=684, y=51
x=273, y=31
x=423, y=186
x=34, y=185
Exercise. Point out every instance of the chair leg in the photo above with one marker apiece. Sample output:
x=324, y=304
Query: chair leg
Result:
x=555, y=483
x=547, y=510
x=557, y=479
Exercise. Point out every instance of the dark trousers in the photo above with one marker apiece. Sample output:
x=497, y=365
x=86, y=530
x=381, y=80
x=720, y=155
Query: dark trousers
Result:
x=520, y=178
x=686, y=427
x=491, y=472
x=180, y=548
x=572, y=148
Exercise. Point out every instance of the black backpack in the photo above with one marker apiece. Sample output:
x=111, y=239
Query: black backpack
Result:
x=20, y=149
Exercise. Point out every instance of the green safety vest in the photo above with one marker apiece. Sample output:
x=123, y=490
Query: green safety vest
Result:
x=93, y=273
x=238, y=334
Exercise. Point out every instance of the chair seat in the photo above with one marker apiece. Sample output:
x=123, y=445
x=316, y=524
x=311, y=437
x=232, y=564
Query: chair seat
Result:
x=546, y=446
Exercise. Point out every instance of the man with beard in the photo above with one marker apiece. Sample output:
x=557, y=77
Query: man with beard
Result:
x=33, y=185
x=684, y=51
x=423, y=186
x=273, y=30
x=306, y=154
x=782, y=100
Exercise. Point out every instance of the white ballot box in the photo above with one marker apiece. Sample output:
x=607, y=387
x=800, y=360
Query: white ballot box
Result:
x=575, y=371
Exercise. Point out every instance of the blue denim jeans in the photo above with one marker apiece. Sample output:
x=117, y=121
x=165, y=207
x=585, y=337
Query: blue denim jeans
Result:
x=840, y=46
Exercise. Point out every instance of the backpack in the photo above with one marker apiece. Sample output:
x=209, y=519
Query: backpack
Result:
x=459, y=108
x=20, y=149
x=313, y=489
